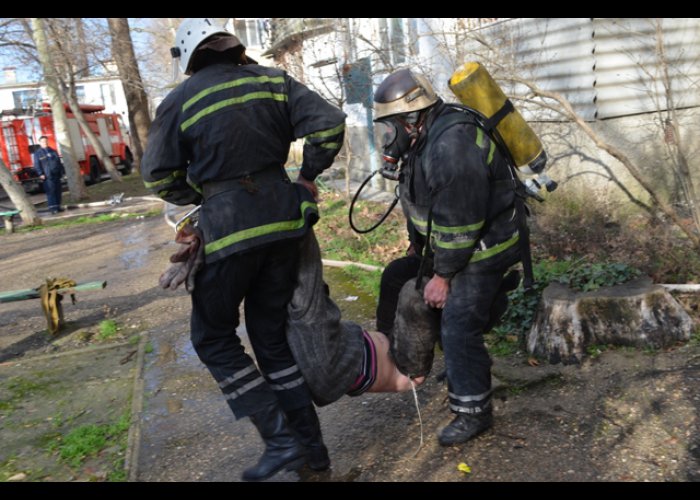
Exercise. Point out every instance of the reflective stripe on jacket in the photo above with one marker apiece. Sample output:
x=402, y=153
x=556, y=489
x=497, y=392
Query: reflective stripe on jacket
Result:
x=229, y=122
x=463, y=176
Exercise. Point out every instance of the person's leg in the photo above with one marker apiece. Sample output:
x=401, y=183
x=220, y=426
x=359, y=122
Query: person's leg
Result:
x=58, y=195
x=395, y=275
x=266, y=319
x=464, y=317
x=50, y=190
x=219, y=290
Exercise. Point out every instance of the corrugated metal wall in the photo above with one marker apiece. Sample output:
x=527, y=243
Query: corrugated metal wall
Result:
x=606, y=67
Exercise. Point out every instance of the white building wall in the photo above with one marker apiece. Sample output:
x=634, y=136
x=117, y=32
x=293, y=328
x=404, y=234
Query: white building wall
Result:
x=114, y=102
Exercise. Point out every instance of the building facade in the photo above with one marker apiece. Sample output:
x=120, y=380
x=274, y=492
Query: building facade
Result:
x=104, y=91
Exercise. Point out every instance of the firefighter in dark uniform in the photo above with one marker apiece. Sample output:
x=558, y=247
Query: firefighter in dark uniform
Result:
x=49, y=168
x=221, y=139
x=456, y=189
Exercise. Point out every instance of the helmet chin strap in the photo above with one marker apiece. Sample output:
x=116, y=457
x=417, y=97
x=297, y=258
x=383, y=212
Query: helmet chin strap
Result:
x=175, y=53
x=176, y=69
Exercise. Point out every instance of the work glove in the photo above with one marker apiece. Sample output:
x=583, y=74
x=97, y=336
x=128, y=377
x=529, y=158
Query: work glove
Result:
x=184, y=263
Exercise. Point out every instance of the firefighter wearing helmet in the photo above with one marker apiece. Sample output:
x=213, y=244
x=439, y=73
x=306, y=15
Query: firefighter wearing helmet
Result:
x=221, y=138
x=457, y=195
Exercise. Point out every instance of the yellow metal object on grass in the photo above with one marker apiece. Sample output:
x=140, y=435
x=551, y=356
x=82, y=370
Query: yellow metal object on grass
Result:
x=51, y=301
x=475, y=88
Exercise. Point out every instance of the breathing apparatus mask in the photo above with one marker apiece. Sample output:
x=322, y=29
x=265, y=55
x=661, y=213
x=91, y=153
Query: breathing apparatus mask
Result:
x=397, y=141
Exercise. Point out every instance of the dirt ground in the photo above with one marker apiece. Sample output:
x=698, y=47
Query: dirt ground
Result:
x=625, y=415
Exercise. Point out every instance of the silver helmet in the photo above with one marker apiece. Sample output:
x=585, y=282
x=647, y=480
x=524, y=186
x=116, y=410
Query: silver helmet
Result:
x=403, y=91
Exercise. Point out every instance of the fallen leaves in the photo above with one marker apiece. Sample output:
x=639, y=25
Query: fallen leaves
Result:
x=462, y=467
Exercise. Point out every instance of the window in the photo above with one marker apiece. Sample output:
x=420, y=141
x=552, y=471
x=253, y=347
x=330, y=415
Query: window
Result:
x=109, y=98
x=413, y=48
x=398, y=44
x=392, y=32
x=80, y=93
x=251, y=32
x=25, y=99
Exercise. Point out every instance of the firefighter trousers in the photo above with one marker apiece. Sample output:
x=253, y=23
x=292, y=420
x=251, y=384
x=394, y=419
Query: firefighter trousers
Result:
x=52, y=188
x=466, y=314
x=265, y=277
x=474, y=303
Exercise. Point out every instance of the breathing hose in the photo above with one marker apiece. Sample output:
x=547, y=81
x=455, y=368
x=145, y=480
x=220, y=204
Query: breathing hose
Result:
x=357, y=195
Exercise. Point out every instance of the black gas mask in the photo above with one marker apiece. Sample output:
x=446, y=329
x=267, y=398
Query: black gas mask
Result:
x=397, y=142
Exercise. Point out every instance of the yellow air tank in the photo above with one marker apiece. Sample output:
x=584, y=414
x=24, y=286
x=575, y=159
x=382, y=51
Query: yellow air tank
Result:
x=475, y=88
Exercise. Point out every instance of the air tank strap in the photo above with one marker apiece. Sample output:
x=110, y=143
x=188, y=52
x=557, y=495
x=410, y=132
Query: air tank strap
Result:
x=492, y=123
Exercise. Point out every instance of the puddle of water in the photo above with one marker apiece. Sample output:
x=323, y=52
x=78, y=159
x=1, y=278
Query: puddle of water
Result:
x=135, y=238
x=134, y=259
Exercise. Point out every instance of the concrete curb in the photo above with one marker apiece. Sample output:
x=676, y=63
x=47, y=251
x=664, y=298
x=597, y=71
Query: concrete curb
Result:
x=131, y=459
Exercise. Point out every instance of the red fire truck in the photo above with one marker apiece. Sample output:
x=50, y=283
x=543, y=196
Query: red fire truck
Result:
x=21, y=130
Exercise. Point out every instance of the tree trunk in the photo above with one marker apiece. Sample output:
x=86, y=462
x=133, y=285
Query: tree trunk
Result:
x=81, y=57
x=18, y=197
x=637, y=313
x=136, y=98
x=76, y=185
x=94, y=141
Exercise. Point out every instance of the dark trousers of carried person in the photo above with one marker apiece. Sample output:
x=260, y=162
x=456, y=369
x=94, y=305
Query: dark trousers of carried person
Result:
x=275, y=397
x=52, y=188
x=475, y=304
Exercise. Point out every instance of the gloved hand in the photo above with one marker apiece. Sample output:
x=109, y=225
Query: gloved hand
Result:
x=186, y=261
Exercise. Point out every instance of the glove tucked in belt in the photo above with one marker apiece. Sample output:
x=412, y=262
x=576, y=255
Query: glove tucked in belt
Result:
x=186, y=261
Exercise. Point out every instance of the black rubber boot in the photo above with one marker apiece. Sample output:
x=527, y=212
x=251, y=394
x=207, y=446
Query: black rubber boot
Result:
x=282, y=449
x=304, y=422
x=464, y=427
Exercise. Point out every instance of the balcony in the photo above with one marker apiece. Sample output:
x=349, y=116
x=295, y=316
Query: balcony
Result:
x=290, y=31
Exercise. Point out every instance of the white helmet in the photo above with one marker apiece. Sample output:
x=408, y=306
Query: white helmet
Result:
x=191, y=33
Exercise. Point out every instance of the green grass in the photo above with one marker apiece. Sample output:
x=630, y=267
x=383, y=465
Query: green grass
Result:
x=595, y=350
x=20, y=388
x=108, y=329
x=501, y=345
x=88, y=440
x=368, y=281
x=695, y=336
x=88, y=219
x=339, y=242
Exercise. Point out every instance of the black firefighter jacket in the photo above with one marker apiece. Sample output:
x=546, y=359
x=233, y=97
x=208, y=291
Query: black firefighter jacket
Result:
x=464, y=177
x=235, y=123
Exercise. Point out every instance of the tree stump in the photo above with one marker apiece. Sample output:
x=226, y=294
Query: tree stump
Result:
x=637, y=313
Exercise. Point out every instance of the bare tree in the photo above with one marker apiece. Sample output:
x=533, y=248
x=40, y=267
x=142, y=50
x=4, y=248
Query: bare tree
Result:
x=18, y=197
x=76, y=185
x=136, y=98
x=513, y=75
x=63, y=59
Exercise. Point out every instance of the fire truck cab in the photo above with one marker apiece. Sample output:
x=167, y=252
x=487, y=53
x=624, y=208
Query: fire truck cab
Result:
x=21, y=130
